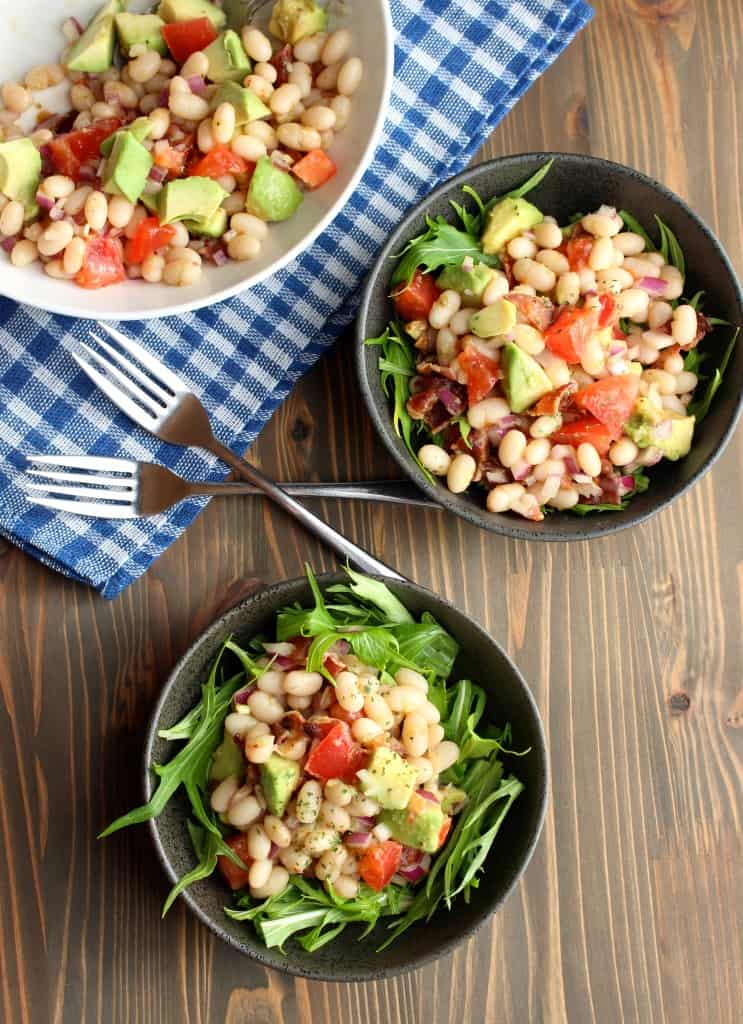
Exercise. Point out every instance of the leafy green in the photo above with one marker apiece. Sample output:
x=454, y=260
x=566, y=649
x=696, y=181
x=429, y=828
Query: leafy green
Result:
x=298, y=621
x=316, y=916
x=670, y=249
x=441, y=245
x=642, y=481
x=470, y=221
x=207, y=848
x=426, y=645
x=397, y=367
x=632, y=224
x=376, y=593
x=568, y=229
x=699, y=407
x=583, y=510
x=464, y=429
x=531, y=183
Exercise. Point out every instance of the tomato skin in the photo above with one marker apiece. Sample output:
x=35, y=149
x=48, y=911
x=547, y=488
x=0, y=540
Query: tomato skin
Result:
x=103, y=263
x=186, y=37
x=69, y=152
x=481, y=372
x=610, y=400
x=315, y=168
x=219, y=161
x=567, y=336
x=171, y=159
x=336, y=756
x=607, y=316
x=587, y=428
x=234, y=876
x=379, y=864
x=349, y=717
x=150, y=236
x=444, y=832
x=578, y=249
x=414, y=301
x=333, y=665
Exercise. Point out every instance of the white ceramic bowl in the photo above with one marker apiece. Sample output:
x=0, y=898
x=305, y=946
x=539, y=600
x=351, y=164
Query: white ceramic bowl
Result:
x=30, y=34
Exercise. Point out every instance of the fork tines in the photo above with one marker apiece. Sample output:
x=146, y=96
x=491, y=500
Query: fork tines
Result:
x=91, y=485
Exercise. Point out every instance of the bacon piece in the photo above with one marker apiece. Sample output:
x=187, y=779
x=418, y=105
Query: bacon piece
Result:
x=552, y=403
x=437, y=401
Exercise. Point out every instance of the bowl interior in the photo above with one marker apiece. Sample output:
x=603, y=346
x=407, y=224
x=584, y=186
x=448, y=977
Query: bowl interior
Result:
x=31, y=35
x=574, y=183
x=509, y=700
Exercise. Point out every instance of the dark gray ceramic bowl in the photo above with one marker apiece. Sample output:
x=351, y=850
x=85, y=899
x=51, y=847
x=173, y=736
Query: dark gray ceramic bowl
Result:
x=347, y=959
x=574, y=183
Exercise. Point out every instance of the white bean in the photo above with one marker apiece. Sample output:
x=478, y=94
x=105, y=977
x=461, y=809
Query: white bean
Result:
x=565, y=498
x=96, y=210
x=348, y=693
x=659, y=313
x=531, y=273
x=521, y=248
x=144, y=67
x=277, y=831
x=444, y=308
x=415, y=735
x=543, y=426
x=487, y=412
x=153, y=267
x=243, y=247
x=435, y=459
x=378, y=710
x=336, y=46
x=537, y=451
x=674, y=282
x=338, y=792
x=602, y=254
x=259, y=845
x=623, y=452
x=310, y=48
x=556, y=262
x=188, y=106
x=365, y=730
x=403, y=699
x=74, y=255
x=511, y=448
x=346, y=887
x=496, y=289
x=502, y=497
x=319, y=841
x=284, y=98
x=548, y=235
x=629, y=243
x=685, y=382
x=302, y=684
x=334, y=816
x=264, y=707
x=223, y=794
x=589, y=459
x=120, y=211
x=444, y=756
x=277, y=882
x=259, y=749
x=244, y=811
x=308, y=802
x=271, y=681
x=460, y=473
x=601, y=226
x=55, y=238
x=684, y=325
x=24, y=253
x=528, y=338
x=319, y=117
x=257, y=45
x=11, y=219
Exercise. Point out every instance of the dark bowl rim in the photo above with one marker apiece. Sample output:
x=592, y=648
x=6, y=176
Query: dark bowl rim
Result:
x=300, y=970
x=593, y=526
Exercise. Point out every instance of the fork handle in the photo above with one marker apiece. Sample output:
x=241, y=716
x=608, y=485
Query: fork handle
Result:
x=394, y=492
x=330, y=537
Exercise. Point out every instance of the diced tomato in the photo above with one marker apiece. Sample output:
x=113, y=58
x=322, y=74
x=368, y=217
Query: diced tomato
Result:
x=607, y=316
x=610, y=400
x=567, y=336
x=444, y=832
x=379, y=864
x=332, y=664
x=349, y=717
x=314, y=169
x=282, y=60
x=103, y=263
x=481, y=372
x=336, y=756
x=186, y=37
x=234, y=876
x=150, y=236
x=171, y=159
x=578, y=249
x=218, y=161
x=537, y=312
x=587, y=428
x=414, y=301
x=71, y=151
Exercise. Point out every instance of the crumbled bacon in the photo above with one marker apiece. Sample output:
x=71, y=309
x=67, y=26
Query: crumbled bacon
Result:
x=553, y=402
x=703, y=327
x=427, y=368
x=282, y=60
x=437, y=401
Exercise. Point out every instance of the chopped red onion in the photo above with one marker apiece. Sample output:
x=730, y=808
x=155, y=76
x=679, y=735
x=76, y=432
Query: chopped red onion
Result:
x=196, y=84
x=8, y=243
x=521, y=470
x=163, y=97
x=44, y=201
x=626, y=484
x=428, y=795
x=158, y=174
x=366, y=822
x=273, y=852
x=571, y=466
x=220, y=257
x=512, y=420
x=241, y=697
x=57, y=211
x=654, y=285
x=453, y=404
x=413, y=874
x=617, y=348
x=283, y=662
x=358, y=840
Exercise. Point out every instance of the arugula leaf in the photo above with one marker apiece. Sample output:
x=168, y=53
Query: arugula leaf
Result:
x=206, y=847
x=583, y=510
x=517, y=193
x=632, y=224
x=464, y=429
x=670, y=249
x=470, y=221
x=298, y=621
x=397, y=367
x=426, y=645
x=696, y=300
x=442, y=245
x=642, y=481
x=699, y=407
x=378, y=594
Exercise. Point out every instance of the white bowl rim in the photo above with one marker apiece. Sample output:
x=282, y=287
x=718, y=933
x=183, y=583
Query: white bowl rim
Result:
x=176, y=308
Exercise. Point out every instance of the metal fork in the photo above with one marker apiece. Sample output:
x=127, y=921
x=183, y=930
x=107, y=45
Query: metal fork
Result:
x=111, y=488
x=159, y=402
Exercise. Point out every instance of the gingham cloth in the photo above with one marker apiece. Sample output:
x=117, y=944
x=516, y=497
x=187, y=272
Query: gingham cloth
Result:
x=459, y=67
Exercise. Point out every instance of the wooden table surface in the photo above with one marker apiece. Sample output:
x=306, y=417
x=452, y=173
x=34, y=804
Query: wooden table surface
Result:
x=631, y=909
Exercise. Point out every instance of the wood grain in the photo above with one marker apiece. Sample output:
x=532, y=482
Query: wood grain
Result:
x=631, y=908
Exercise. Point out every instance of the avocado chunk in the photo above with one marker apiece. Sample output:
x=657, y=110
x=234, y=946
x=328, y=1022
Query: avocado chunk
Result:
x=187, y=10
x=507, y=219
x=648, y=426
x=127, y=167
x=226, y=760
x=190, y=199
x=524, y=379
x=493, y=320
x=418, y=825
x=20, y=171
x=470, y=283
x=248, y=107
x=452, y=798
x=140, y=129
x=94, y=50
x=140, y=30
x=213, y=227
x=389, y=779
x=228, y=61
x=279, y=778
x=292, y=20
x=273, y=194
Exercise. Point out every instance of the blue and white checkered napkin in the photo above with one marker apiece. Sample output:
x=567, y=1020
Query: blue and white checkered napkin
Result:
x=460, y=66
